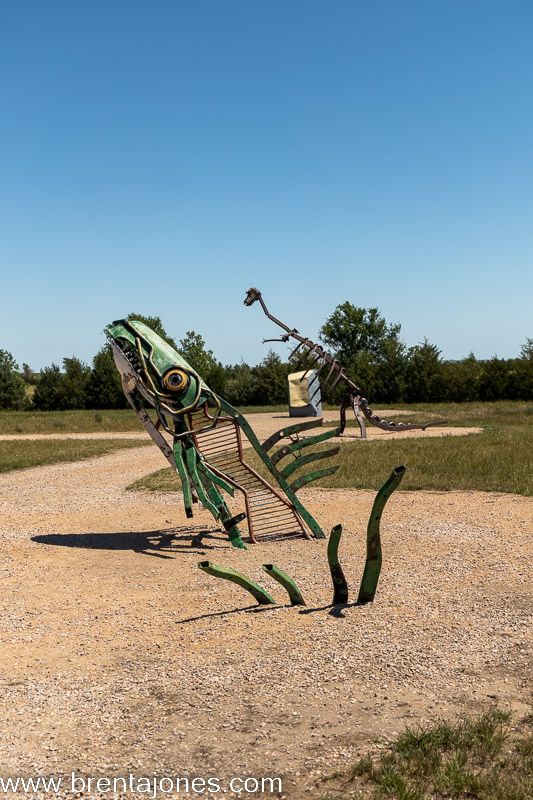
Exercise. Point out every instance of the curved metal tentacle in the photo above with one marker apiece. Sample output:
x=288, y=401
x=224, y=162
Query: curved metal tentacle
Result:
x=340, y=585
x=369, y=581
x=287, y=582
x=260, y=594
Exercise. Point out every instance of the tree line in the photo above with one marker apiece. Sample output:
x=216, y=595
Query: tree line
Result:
x=369, y=348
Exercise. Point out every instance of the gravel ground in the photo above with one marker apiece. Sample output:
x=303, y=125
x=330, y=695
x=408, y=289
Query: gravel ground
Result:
x=119, y=655
x=264, y=425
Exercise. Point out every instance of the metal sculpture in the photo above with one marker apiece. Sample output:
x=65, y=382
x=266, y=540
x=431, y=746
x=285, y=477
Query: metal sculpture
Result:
x=340, y=584
x=313, y=356
x=371, y=572
x=369, y=581
x=260, y=594
x=201, y=436
x=295, y=595
x=304, y=394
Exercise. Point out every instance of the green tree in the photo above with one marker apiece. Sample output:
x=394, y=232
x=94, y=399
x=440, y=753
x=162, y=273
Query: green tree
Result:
x=271, y=380
x=520, y=379
x=424, y=374
x=241, y=386
x=494, y=379
x=526, y=350
x=104, y=387
x=390, y=372
x=370, y=350
x=12, y=386
x=28, y=375
x=46, y=396
x=57, y=390
x=193, y=349
x=74, y=382
x=217, y=378
x=363, y=370
x=351, y=330
x=461, y=379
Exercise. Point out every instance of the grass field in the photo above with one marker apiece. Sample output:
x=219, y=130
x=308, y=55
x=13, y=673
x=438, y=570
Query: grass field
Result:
x=86, y=421
x=498, y=459
x=18, y=455
x=481, y=758
x=80, y=421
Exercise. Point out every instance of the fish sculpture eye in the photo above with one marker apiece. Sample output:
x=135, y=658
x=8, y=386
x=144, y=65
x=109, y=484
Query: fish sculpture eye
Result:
x=175, y=380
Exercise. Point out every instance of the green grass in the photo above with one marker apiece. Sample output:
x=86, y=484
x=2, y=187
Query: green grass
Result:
x=88, y=421
x=498, y=459
x=18, y=455
x=81, y=421
x=481, y=758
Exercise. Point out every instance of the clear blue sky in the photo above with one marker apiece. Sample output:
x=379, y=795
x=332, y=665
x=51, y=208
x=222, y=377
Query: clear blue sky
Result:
x=164, y=156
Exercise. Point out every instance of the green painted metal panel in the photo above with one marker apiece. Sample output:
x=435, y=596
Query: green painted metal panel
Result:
x=301, y=443
x=307, y=459
x=340, y=586
x=313, y=476
x=372, y=570
x=260, y=594
x=287, y=582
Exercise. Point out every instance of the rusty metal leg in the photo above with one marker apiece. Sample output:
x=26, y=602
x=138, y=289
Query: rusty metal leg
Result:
x=359, y=417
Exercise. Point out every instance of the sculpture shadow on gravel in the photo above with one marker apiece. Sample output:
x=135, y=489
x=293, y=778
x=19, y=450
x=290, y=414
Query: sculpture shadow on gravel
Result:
x=166, y=543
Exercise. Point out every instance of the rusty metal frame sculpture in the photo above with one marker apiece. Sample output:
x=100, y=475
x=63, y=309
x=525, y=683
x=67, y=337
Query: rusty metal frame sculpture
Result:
x=313, y=356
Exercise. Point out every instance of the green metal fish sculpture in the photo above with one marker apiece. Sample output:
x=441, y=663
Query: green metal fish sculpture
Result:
x=204, y=439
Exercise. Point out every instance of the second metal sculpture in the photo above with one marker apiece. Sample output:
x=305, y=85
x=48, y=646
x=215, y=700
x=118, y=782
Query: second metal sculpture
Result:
x=311, y=356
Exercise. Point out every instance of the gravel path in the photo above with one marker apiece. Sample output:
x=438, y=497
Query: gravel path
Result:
x=264, y=425
x=119, y=655
x=21, y=437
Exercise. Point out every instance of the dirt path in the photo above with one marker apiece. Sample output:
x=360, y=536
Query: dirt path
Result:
x=119, y=655
x=264, y=425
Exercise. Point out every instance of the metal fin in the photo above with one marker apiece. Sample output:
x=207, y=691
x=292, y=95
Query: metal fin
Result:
x=312, y=476
x=299, y=462
x=301, y=443
x=260, y=594
x=289, y=431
